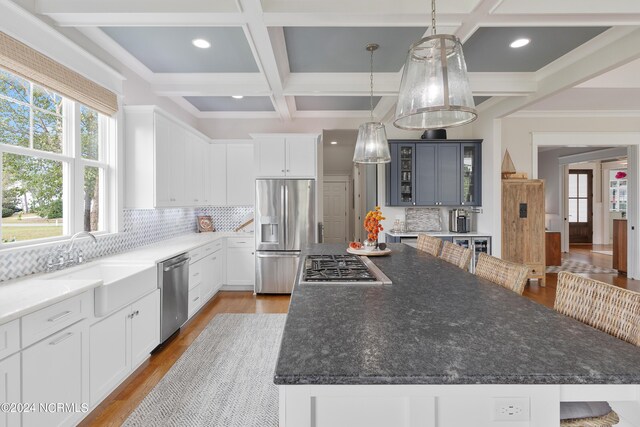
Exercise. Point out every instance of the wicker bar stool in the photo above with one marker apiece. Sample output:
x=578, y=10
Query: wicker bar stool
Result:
x=456, y=254
x=609, y=308
x=429, y=244
x=504, y=273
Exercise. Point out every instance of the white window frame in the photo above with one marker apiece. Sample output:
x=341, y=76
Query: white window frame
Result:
x=73, y=174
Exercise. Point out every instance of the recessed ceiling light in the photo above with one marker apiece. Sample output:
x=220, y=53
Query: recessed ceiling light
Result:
x=201, y=43
x=519, y=43
x=334, y=142
x=237, y=96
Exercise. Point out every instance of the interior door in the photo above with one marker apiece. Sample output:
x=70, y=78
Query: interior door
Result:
x=580, y=198
x=335, y=212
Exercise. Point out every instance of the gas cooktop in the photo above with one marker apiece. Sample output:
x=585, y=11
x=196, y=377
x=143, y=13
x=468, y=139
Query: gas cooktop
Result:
x=341, y=269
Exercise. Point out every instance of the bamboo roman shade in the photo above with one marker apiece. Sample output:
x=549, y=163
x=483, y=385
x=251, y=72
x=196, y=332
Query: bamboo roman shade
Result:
x=16, y=57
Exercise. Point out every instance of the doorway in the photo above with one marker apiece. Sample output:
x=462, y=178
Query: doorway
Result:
x=336, y=214
x=580, y=206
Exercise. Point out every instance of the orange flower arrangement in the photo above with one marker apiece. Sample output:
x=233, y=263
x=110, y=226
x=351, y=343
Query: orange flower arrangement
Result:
x=372, y=223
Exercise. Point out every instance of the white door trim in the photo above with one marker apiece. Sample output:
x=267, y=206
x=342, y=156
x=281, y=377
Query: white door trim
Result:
x=582, y=139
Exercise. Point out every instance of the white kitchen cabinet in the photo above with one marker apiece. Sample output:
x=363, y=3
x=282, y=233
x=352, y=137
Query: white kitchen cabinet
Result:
x=212, y=279
x=217, y=175
x=240, y=175
x=110, y=360
x=195, y=166
x=195, y=301
x=301, y=155
x=120, y=342
x=145, y=327
x=10, y=389
x=270, y=156
x=55, y=370
x=286, y=156
x=240, y=263
x=165, y=160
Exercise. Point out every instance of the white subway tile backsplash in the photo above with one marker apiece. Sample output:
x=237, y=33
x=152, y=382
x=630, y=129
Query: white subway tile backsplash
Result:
x=140, y=227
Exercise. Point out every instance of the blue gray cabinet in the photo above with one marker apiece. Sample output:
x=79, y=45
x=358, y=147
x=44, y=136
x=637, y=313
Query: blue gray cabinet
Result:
x=444, y=173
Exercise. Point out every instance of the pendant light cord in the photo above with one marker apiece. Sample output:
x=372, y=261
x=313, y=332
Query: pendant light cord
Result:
x=371, y=88
x=433, y=17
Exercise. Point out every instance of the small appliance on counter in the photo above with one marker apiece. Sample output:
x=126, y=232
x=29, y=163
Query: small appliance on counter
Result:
x=461, y=221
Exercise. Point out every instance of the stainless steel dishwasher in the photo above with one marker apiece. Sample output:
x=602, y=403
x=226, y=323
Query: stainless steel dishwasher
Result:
x=173, y=277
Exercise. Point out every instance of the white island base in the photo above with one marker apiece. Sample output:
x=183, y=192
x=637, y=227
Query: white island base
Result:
x=446, y=405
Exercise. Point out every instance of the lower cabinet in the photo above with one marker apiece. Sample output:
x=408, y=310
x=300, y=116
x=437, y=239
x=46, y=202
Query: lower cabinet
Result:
x=241, y=267
x=195, y=300
x=55, y=371
x=10, y=389
x=145, y=327
x=120, y=342
x=212, y=280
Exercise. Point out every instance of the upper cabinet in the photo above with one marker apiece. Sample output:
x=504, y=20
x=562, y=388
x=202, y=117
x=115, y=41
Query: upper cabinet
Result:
x=168, y=164
x=240, y=176
x=291, y=156
x=445, y=173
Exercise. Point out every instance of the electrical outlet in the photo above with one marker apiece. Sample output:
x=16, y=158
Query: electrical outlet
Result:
x=511, y=409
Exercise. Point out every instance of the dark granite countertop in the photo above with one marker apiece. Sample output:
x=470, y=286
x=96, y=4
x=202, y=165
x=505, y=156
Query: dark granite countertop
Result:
x=437, y=324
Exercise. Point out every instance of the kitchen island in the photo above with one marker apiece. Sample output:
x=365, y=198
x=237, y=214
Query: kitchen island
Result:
x=439, y=347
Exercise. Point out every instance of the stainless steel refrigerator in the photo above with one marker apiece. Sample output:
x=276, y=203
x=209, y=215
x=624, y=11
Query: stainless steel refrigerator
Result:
x=285, y=222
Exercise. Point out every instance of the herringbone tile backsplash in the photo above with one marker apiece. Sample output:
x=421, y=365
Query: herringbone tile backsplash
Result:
x=140, y=227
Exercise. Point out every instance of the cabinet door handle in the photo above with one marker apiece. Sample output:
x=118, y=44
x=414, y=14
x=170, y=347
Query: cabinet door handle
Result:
x=196, y=299
x=62, y=338
x=59, y=316
x=196, y=274
x=282, y=170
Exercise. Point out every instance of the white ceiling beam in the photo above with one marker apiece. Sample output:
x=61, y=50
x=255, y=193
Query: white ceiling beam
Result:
x=385, y=111
x=267, y=53
x=210, y=84
x=357, y=84
x=354, y=84
x=101, y=39
x=623, y=47
x=502, y=84
x=369, y=6
x=83, y=13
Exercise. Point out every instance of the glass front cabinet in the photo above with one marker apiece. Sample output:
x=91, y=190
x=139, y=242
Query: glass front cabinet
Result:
x=429, y=173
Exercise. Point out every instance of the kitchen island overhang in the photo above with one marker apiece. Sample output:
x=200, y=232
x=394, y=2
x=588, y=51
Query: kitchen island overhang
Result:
x=439, y=347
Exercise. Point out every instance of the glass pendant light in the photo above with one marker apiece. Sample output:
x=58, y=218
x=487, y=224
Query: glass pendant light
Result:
x=372, y=145
x=435, y=91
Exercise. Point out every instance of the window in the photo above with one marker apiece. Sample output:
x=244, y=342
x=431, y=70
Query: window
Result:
x=579, y=195
x=54, y=163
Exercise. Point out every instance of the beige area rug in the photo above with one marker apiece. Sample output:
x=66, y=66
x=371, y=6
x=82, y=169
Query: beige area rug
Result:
x=225, y=378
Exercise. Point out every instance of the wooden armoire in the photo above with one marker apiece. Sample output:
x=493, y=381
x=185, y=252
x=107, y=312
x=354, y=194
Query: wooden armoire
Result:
x=523, y=224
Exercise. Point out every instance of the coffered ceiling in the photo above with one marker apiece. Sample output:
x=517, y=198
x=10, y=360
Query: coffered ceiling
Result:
x=306, y=58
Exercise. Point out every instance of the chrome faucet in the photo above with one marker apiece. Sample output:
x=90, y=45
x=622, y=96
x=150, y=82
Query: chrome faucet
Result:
x=61, y=257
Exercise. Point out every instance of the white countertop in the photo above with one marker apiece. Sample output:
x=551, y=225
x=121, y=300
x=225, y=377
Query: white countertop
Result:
x=28, y=294
x=165, y=249
x=23, y=296
x=438, y=234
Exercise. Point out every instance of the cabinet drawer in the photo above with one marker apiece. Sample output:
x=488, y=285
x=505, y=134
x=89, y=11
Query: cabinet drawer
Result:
x=212, y=247
x=195, y=300
x=9, y=338
x=195, y=255
x=196, y=270
x=52, y=319
x=536, y=270
x=240, y=242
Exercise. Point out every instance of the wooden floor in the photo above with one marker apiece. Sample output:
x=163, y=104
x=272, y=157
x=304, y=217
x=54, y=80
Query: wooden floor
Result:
x=117, y=407
x=546, y=295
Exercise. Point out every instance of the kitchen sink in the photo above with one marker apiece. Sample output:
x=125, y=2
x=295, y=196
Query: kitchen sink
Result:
x=122, y=282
